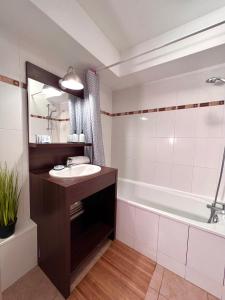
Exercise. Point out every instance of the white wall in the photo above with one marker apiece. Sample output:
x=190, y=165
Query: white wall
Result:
x=106, y=105
x=181, y=149
x=14, y=150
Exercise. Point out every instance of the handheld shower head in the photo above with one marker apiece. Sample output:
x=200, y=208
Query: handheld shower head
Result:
x=216, y=80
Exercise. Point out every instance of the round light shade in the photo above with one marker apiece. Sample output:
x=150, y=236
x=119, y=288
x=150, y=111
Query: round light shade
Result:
x=71, y=80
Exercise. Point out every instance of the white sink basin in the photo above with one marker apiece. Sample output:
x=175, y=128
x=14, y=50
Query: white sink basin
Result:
x=75, y=171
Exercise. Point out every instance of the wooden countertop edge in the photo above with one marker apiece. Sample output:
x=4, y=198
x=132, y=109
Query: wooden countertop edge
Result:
x=71, y=182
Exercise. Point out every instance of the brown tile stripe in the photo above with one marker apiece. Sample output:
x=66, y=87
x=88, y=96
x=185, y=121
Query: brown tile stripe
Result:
x=106, y=113
x=23, y=85
x=46, y=118
x=169, y=108
x=11, y=81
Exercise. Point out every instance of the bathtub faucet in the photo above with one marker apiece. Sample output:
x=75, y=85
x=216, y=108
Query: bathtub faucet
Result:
x=217, y=208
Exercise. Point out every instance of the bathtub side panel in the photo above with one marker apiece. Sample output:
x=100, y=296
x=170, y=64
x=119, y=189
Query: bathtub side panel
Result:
x=146, y=233
x=125, y=223
x=172, y=245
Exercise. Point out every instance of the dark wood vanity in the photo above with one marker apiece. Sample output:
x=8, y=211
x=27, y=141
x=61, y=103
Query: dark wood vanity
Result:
x=64, y=242
x=75, y=215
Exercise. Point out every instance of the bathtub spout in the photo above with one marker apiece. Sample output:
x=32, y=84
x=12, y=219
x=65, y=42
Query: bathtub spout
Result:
x=216, y=209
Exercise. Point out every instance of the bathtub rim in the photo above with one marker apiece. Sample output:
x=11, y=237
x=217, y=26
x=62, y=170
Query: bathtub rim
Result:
x=200, y=198
x=217, y=229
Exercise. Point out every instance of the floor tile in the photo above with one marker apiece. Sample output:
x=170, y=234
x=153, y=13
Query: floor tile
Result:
x=162, y=298
x=151, y=295
x=34, y=285
x=157, y=278
x=176, y=288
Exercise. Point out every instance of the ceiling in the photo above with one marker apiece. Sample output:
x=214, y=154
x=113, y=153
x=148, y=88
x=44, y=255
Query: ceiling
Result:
x=43, y=38
x=130, y=22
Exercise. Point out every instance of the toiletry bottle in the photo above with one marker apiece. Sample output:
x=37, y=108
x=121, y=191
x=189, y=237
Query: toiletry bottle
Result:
x=75, y=137
x=81, y=137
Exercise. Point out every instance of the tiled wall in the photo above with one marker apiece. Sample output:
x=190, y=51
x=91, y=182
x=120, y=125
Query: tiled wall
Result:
x=181, y=148
x=106, y=106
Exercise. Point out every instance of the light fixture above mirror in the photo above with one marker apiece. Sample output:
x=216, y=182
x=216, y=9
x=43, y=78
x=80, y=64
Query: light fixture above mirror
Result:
x=71, y=80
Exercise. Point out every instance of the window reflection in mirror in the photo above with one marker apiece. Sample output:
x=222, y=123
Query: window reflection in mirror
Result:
x=48, y=109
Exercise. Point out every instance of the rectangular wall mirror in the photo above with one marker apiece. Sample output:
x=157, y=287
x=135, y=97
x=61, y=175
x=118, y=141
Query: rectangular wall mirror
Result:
x=48, y=107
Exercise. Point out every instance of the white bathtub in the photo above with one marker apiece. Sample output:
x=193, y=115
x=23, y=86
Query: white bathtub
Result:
x=171, y=228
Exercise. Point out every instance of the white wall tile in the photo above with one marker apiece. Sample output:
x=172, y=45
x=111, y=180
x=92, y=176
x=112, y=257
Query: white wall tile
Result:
x=164, y=150
x=145, y=149
x=8, y=152
x=209, y=152
x=146, y=125
x=182, y=178
x=205, y=181
x=163, y=174
x=10, y=107
x=188, y=137
x=185, y=122
x=107, y=137
x=145, y=170
x=165, y=124
x=184, y=149
x=210, y=122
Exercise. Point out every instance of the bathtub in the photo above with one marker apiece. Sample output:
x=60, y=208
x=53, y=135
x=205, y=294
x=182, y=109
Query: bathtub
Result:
x=170, y=227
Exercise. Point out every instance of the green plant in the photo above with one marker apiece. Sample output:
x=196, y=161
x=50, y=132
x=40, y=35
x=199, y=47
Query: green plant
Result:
x=9, y=195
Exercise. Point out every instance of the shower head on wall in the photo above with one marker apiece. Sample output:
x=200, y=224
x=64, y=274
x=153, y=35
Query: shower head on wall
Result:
x=216, y=80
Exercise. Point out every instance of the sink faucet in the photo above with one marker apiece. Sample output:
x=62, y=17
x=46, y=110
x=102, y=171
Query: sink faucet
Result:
x=69, y=162
x=217, y=208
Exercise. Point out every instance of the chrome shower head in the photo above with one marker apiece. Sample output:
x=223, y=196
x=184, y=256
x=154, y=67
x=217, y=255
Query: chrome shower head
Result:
x=216, y=80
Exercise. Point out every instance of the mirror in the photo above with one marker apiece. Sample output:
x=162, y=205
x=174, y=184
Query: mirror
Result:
x=48, y=108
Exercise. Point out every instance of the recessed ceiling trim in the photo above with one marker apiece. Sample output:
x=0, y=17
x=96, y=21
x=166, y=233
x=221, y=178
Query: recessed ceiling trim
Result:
x=122, y=61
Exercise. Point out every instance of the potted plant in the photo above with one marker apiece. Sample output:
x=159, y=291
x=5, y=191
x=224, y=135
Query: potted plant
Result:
x=9, y=201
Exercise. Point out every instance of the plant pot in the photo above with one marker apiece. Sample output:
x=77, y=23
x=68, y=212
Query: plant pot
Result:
x=8, y=230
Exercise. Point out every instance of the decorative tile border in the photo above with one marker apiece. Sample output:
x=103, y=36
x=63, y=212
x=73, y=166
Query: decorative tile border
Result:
x=106, y=113
x=12, y=81
x=169, y=108
x=47, y=118
x=23, y=85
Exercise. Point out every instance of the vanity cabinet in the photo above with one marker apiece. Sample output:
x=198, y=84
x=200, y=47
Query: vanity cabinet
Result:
x=65, y=239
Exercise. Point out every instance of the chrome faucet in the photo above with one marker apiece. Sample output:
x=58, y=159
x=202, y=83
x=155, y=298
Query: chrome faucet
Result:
x=217, y=208
x=69, y=163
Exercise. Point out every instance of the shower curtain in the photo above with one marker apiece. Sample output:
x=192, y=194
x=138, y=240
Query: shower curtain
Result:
x=85, y=116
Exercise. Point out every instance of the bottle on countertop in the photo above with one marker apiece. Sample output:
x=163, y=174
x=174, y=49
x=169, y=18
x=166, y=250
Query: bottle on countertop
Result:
x=81, y=137
x=75, y=138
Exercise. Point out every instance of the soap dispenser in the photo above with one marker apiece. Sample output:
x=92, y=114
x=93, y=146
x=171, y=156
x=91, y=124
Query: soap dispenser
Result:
x=82, y=137
x=75, y=137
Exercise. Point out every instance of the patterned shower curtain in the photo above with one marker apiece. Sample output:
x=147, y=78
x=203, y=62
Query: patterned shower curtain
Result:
x=76, y=114
x=85, y=115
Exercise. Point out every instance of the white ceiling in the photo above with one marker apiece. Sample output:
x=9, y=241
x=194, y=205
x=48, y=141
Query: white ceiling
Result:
x=41, y=37
x=130, y=22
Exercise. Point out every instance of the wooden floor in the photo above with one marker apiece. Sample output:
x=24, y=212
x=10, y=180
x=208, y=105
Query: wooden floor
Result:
x=120, y=274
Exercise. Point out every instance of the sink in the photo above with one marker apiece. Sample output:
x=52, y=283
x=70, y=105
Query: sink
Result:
x=75, y=171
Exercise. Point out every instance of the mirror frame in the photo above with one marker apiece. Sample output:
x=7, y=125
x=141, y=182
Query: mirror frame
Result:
x=36, y=73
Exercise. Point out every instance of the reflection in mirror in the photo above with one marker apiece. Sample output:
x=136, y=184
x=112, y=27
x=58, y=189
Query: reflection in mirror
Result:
x=49, y=120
